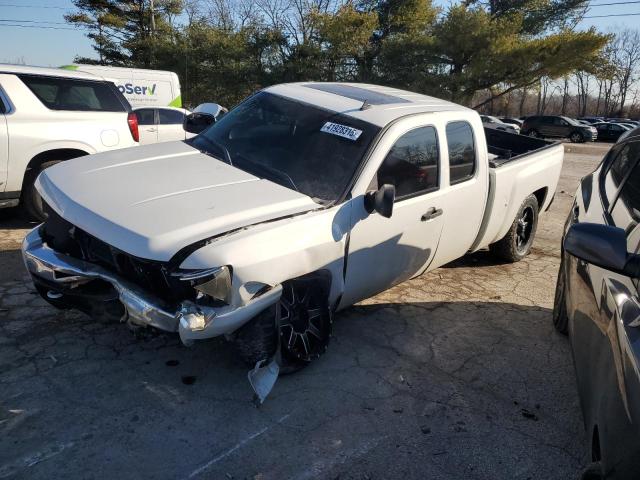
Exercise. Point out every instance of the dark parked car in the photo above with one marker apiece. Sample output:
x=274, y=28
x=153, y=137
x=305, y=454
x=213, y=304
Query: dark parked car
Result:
x=622, y=120
x=610, y=131
x=592, y=119
x=597, y=303
x=558, y=126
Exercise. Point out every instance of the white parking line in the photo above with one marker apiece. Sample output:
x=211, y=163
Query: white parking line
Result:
x=237, y=446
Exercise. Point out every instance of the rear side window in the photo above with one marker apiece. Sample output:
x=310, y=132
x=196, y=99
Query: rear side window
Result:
x=412, y=163
x=170, y=117
x=74, y=94
x=462, y=152
x=145, y=116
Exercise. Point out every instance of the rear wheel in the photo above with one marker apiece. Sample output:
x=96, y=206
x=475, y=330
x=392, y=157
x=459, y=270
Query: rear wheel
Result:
x=301, y=321
x=560, y=319
x=516, y=244
x=533, y=133
x=31, y=199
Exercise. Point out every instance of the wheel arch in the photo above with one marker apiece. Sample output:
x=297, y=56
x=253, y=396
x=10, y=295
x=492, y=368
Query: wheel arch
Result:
x=541, y=196
x=50, y=155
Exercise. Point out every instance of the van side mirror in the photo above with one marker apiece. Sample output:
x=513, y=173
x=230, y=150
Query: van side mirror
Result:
x=601, y=245
x=381, y=200
x=197, y=122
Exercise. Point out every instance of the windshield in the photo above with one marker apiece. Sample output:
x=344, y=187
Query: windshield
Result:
x=573, y=122
x=298, y=146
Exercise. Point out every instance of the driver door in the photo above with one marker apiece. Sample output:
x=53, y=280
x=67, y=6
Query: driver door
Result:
x=386, y=251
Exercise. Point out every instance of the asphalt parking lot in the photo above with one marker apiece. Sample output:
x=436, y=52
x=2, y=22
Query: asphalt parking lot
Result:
x=455, y=374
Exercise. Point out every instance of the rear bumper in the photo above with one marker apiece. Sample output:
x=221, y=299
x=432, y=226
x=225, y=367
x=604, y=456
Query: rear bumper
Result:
x=70, y=282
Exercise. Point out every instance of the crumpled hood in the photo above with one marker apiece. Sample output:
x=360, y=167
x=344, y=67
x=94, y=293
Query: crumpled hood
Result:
x=152, y=201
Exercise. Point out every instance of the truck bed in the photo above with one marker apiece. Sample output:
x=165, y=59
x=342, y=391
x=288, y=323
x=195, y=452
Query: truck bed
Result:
x=509, y=147
x=519, y=166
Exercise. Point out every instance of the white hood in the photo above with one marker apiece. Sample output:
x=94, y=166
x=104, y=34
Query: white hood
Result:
x=152, y=201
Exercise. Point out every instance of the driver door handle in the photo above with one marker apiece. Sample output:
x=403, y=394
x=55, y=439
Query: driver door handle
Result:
x=430, y=214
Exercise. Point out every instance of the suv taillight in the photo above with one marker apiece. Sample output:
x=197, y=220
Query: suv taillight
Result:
x=132, y=120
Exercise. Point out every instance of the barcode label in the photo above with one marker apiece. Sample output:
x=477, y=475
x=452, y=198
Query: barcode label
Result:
x=341, y=130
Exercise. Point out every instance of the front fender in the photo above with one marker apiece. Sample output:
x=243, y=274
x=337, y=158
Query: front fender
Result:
x=273, y=252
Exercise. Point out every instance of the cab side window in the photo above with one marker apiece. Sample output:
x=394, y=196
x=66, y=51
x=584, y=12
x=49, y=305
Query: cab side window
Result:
x=412, y=163
x=462, y=152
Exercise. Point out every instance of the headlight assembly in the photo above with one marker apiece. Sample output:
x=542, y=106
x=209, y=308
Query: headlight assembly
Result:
x=213, y=282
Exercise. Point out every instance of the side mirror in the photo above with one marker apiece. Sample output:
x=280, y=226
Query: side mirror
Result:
x=380, y=200
x=601, y=245
x=197, y=122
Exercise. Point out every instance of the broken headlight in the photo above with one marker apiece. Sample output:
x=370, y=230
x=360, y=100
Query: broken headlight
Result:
x=213, y=282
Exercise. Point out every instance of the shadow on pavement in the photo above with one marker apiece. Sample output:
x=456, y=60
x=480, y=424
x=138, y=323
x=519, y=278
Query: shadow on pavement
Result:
x=406, y=390
x=481, y=258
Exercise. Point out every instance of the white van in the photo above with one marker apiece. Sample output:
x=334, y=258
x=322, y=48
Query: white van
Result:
x=143, y=88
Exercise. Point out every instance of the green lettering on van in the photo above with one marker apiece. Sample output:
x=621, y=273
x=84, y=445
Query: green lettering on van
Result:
x=176, y=102
x=69, y=67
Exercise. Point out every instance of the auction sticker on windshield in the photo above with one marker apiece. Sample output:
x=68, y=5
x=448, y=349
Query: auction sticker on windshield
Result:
x=341, y=130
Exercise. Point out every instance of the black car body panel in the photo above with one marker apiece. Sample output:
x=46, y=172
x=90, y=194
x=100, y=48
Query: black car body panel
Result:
x=603, y=312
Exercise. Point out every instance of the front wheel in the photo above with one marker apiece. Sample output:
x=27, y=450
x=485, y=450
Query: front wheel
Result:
x=576, y=137
x=301, y=322
x=517, y=242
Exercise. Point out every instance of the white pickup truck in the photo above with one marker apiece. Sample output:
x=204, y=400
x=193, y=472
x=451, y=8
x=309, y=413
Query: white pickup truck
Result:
x=301, y=201
x=50, y=115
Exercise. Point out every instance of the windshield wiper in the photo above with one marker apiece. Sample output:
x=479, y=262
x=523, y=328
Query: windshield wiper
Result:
x=225, y=150
x=269, y=169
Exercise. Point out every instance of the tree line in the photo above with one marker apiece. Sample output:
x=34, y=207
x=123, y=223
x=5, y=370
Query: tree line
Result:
x=481, y=53
x=609, y=88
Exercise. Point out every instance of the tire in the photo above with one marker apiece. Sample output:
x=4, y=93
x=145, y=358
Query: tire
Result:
x=576, y=137
x=533, y=134
x=301, y=321
x=516, y=244
x=560, y=319
x=31, y=200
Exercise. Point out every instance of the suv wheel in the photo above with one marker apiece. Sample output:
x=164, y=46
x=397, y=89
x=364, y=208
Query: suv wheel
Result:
x=516, y=244
x=533, y=133
x=576, y=137
x=31, y=200
x=301, y=321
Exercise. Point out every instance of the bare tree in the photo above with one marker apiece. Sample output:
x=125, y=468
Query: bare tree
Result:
x=626, y=61
x=582, y=83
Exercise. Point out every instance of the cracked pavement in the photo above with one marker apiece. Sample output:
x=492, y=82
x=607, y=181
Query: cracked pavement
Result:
x=455, y=374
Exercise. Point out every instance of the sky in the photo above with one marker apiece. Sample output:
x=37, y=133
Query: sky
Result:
x=23, y=38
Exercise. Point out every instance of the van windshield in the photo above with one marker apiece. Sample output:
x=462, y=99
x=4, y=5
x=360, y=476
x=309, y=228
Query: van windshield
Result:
x=299, y=146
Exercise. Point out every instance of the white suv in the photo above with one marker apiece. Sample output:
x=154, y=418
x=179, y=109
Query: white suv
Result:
x=50, y=115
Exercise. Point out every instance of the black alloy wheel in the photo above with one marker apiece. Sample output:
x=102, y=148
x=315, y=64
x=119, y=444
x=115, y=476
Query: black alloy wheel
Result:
x=524, y=229
x=305, y=321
